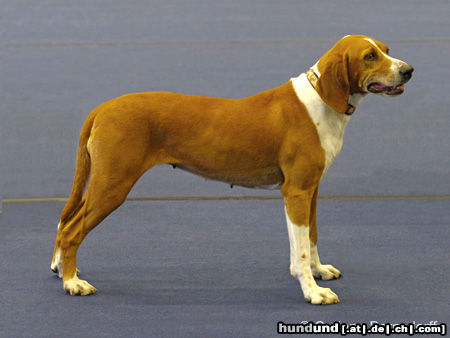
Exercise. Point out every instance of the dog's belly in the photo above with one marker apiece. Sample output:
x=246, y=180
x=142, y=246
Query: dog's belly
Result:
x=261, y=178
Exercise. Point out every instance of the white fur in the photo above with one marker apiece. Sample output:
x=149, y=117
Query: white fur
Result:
x=300, y=267
x=320, y=270
x=356, y=99
x=378, y=48
x=373, y=43
x=300, y=252
x=315, y=260
x=315, y=68
x=57, y=263
x=330, y=124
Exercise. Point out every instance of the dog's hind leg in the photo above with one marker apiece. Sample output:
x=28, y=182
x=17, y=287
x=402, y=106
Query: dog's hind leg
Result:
x=76, y=199
x=56, y=265
x=101, y=199
x=116, y=164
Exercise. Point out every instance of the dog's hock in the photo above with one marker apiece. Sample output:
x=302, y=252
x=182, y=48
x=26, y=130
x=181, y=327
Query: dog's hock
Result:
x=56, y=264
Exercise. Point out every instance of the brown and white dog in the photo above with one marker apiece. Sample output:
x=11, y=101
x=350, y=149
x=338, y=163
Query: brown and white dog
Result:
x=286, y=137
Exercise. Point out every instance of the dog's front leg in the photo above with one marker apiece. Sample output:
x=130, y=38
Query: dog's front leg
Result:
x=322, y=271
x=297, y=208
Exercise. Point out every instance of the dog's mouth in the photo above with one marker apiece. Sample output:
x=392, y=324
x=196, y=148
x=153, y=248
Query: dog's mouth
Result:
x=379, y=88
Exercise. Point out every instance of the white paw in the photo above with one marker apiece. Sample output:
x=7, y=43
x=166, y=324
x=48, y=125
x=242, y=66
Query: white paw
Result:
x=325, y=272
x=76, y=286
x=319, y=295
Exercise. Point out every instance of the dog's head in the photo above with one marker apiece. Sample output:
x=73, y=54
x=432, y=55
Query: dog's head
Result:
x=358, y=64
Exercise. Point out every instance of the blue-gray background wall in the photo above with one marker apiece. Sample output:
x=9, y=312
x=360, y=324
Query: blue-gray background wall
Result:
x=62, y=58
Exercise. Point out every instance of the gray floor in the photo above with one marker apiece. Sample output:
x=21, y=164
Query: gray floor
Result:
x=61, y=59
x=219, y=268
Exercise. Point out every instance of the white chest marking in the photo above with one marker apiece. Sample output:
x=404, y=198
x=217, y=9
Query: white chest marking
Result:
x=330, y=124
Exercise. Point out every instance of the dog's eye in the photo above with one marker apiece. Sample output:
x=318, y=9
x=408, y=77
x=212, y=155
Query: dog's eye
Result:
x=370, y=57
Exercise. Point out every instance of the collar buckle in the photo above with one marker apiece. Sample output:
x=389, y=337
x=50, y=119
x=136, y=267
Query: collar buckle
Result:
x=350, y=110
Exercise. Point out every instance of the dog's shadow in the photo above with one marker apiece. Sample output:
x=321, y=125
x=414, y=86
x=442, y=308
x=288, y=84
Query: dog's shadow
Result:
x=205, y=287
x=144, y=293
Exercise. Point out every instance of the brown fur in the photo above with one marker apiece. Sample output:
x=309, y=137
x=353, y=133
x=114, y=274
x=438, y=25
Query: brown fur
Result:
x=265, y=139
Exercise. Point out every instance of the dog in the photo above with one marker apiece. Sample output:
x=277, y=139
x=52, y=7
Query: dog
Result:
x=284, y=138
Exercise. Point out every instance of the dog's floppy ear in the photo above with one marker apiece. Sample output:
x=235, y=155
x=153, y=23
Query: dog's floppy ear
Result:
x=333, y=85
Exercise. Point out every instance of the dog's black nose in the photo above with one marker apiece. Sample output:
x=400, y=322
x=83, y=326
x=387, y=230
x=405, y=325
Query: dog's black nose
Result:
x=406, y=71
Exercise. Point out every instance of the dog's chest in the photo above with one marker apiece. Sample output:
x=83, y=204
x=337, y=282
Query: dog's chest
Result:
x=330, y=128
x=330, y=125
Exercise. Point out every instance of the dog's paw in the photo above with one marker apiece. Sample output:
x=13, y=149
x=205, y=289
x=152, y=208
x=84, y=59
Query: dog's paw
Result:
x=319, y=295
x=325, y=272
x=76, y=286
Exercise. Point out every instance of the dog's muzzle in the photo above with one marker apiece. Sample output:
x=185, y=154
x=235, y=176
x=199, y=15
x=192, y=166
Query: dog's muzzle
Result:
x=405, y=71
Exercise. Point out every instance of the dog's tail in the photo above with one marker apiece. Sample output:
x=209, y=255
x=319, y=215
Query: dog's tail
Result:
x=82, y=171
